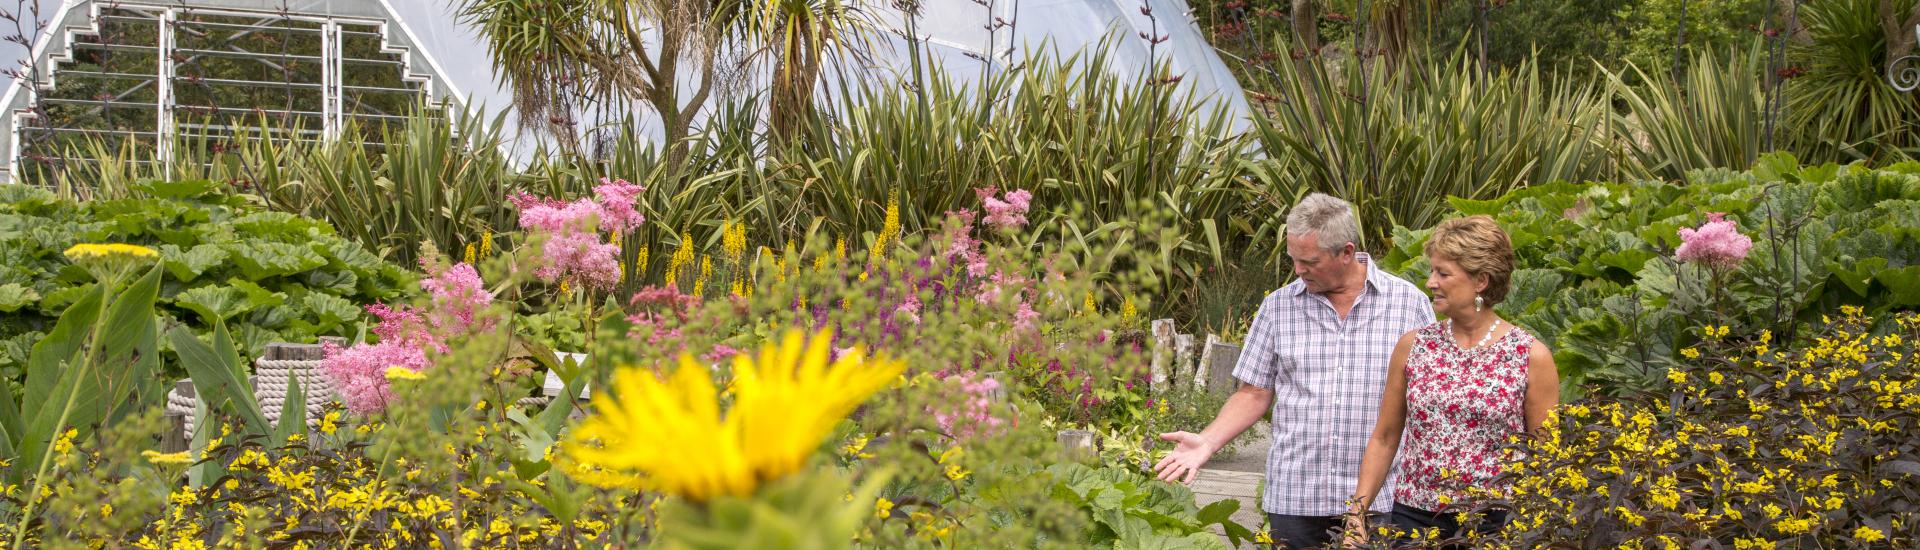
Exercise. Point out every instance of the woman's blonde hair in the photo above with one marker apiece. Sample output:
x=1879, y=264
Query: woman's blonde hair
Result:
x=1480, y=247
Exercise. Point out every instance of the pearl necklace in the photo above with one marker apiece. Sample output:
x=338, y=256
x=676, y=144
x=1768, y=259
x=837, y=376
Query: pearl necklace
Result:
x=1483, y=339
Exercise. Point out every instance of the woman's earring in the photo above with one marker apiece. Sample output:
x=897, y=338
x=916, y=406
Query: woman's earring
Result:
x=1478, y=302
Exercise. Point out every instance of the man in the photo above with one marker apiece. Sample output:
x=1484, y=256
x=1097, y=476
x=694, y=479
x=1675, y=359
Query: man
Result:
x=1317, y=354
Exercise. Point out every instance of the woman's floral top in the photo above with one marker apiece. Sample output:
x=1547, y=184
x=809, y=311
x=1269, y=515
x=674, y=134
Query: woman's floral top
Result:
x=1462, y=405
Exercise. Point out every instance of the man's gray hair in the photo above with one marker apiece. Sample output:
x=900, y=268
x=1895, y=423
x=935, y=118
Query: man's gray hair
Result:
x=1326, y=217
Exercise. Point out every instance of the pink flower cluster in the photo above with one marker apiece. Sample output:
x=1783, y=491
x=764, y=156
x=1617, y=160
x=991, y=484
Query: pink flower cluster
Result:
x=1717, y=243
x=659, y=312
x=972, y=416
x=405, y=334
x=963, y=247
x=573, y=250
x=1009, y=211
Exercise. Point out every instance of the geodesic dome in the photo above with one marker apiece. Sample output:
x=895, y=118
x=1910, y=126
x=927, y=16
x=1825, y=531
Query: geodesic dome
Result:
x=138, y=75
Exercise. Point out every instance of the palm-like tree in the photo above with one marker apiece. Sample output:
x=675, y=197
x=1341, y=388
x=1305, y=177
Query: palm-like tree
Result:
x=800, y=36
x=562, y=57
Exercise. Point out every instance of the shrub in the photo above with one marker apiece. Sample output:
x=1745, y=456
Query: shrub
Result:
x=1745, y=446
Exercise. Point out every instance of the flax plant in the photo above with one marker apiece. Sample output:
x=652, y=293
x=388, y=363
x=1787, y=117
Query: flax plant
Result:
x=1429, y=131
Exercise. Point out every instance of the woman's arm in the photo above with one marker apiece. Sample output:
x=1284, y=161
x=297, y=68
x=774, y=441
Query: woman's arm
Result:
x=1543, y=386
x=1386, y=431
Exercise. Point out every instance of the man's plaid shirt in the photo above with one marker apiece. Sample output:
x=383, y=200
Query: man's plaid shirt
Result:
x=1326, y=375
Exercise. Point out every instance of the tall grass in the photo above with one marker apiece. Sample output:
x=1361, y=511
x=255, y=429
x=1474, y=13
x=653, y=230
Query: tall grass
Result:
x=1397, y=141
x=1713, y=117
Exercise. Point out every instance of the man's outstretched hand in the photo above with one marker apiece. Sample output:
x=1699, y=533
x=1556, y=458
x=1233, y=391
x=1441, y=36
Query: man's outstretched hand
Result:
x=1190, y=451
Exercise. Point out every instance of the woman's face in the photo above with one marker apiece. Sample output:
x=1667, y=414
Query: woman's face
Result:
x=1452, y=289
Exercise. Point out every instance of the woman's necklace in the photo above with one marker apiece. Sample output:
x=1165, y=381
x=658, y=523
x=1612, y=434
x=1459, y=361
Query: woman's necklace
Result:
x=1483, y=339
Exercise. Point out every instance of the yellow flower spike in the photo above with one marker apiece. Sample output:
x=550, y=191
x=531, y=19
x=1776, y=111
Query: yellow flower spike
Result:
x=472, y=253
x=486, y=244
x=161, y=458
x=788, y=398
x=396, y=373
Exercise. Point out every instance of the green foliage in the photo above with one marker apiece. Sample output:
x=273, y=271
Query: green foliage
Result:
x=1596, y=278
x=1567, y=37
x=271, y=276
x=1711, y=117
x=1131, y=510
x=1843, y=103
x=1653, y=29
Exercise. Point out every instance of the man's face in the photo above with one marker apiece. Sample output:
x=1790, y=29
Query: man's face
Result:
x=1319, y=269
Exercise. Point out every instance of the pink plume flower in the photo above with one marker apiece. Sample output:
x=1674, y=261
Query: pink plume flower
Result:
x=1008, y=211
x=617, y=200
x=405, y=334
x=573, y=250
x=1025, y=318
x=1717, y=243
x=971, y=416
x=358, y=373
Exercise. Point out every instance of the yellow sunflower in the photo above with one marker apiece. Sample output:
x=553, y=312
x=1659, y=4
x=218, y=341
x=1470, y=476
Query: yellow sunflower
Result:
x=672, y=436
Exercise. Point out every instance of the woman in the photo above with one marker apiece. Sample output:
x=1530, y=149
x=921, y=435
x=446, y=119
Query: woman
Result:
x=1459, y=388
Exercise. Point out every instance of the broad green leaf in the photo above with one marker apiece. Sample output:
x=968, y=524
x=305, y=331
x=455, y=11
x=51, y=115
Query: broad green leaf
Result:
x=130, y=355
x=186, y=265
x=259, y=260
x=61, y=347
x=214, y=303
x=13, y=296
x=214, y=375
x=257, y=296
x=183, y=189
x=293, y=414
x=1217, y=512
x=280, y=224
x=1859, y=275
x=1902, y=284
x=1159, y=541
x=330, y=311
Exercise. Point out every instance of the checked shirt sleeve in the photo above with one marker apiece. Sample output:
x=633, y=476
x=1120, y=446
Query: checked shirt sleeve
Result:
x=1257, y=365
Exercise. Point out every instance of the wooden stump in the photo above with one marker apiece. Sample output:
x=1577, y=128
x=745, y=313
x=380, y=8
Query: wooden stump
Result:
x=1182, y=371
x=282, y=351
x=1162, y=349
x=1078, y=444
x=1222, y=357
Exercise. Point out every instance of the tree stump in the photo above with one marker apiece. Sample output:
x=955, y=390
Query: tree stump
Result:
x=1078, y=444
x=1163, y=340
x=1222, y=357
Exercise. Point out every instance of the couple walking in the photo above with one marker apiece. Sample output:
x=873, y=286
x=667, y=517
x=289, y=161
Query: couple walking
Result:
x=1357, y=374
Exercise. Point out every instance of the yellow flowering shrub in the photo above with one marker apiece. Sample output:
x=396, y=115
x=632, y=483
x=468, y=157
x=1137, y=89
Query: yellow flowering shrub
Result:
x=1753, y=448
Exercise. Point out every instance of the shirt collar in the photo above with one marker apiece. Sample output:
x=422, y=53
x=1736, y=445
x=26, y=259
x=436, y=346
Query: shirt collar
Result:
x=1373, y=283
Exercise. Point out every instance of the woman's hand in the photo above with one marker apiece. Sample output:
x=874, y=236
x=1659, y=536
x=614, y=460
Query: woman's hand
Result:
x=1356, y=529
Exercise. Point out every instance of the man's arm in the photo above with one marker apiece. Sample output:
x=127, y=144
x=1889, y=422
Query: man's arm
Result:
x=1192, y=450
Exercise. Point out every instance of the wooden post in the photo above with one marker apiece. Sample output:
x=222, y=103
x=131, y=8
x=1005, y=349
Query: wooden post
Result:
x=283, y=351
x=1182, y=361
x=999, y=392
x=1162, y=350
x=175, y=438
x=1203, y=372
x=1078, y=444
x=1223, y=357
